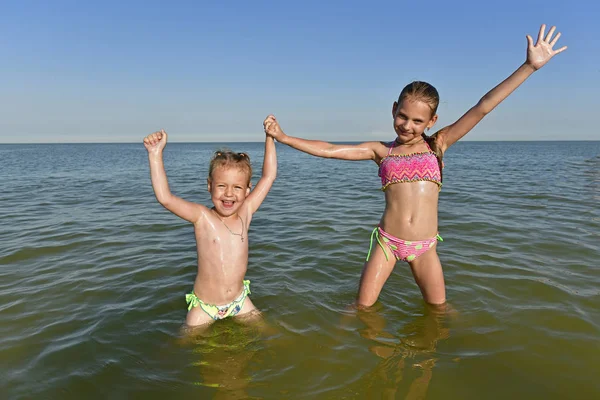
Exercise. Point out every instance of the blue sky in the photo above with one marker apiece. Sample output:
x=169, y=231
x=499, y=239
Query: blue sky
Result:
x=74, y=71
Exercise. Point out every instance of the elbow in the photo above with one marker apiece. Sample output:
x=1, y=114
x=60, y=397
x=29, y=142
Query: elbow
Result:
x=329, y=152
x=484, y=107
x=164, y=201
x=270, y=172
x=271, y=177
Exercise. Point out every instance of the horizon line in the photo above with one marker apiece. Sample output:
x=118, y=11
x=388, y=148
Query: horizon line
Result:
x=262, y=141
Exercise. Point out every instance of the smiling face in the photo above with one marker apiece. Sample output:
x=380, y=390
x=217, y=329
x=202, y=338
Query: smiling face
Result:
x=415, y=111
x=411, y=118
x=228, y=186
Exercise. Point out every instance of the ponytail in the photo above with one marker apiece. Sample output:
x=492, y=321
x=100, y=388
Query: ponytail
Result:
x=433, y=145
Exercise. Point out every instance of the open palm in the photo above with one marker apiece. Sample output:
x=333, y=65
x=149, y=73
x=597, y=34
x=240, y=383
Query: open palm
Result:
x=540, y=53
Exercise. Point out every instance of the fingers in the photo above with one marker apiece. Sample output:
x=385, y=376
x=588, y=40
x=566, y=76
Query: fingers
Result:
x=270, y=124
x=560, y=50
x=540, y=37
x=163, y=134
x=547, y=39
x=550, y=33
x=270, y=127
x=269, y=119
x=155, y=137
x=553, y=42
x=529, y=41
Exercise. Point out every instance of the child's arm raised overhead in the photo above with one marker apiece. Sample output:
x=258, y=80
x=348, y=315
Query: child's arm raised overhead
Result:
x=269, y=172
x=155, y=144
x=363, y=151
x=537, y=56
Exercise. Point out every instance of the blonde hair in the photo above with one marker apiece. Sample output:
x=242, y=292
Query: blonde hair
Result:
x=230, y=159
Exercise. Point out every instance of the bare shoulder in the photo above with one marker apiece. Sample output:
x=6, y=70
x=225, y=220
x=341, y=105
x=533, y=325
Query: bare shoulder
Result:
x=378, y=150
x=205, y=215
x=381, y=149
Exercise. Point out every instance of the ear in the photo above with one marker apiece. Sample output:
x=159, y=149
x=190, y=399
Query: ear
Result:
x=432, y=121
x=208, y=184
x=248, y=189
x=394, y=108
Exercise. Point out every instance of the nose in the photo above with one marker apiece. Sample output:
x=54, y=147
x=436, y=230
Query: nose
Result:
x=406, y=125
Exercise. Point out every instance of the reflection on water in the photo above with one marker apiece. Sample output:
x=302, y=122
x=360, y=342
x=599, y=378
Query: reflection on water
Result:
x=221, y=355
x=222, y=351
x=409, y=356
x=228, y=358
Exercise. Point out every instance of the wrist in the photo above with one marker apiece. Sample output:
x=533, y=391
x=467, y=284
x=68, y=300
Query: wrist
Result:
x=155, y=156
x=529, y=67
x=283, y=138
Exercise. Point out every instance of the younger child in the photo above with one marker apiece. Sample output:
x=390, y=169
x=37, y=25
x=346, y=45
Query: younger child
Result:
x=220, y=290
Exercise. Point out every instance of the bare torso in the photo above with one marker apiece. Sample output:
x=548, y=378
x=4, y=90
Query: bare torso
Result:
x=222, y=257
x=411, y=208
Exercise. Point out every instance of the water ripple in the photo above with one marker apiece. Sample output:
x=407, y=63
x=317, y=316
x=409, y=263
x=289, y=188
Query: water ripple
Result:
x=93, y=274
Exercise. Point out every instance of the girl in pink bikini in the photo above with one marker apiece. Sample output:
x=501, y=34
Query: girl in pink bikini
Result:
x=410, y=168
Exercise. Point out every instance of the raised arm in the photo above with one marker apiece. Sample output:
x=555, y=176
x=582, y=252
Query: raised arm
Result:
x=269, y=172
x=537, y=56
x=155, y=144
x=363, y=151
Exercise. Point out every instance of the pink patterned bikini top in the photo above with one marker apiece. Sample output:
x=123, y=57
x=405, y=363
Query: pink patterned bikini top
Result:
x=400, y=168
